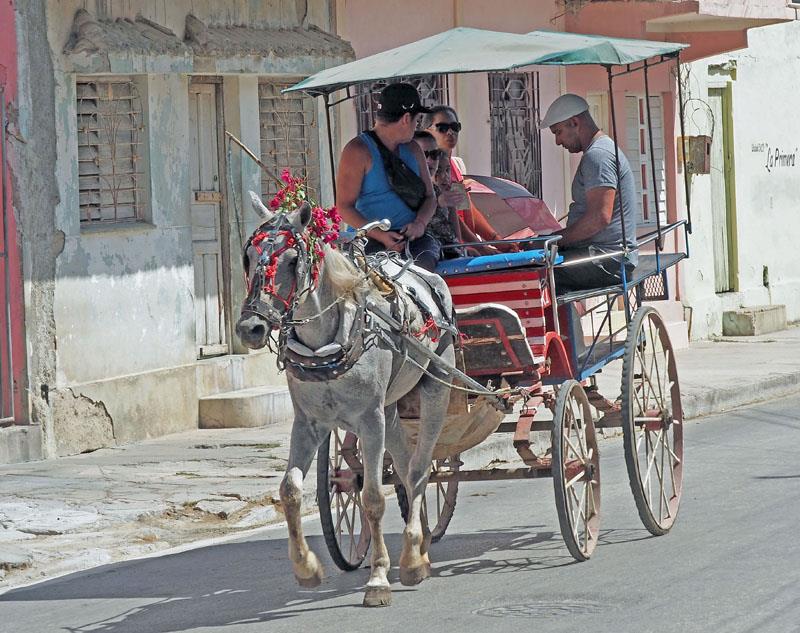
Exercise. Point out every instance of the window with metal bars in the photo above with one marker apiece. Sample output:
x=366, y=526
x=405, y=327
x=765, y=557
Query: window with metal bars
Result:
x=514, y=116
x=111, y=178
x=433, y=90
x=289, y=136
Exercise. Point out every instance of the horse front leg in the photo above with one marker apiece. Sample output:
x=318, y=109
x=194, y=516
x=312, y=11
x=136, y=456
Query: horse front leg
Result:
x=378, y=593
x=307, y=568
x=415, y=565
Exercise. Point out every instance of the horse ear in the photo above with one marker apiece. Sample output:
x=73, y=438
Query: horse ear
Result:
x=300, y=217
x=259, y=207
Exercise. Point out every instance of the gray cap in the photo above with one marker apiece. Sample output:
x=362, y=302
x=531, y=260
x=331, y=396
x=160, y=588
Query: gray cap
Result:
x=566, y=106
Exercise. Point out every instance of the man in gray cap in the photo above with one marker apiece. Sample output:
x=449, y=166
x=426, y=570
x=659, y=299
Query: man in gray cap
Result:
x=601, y=200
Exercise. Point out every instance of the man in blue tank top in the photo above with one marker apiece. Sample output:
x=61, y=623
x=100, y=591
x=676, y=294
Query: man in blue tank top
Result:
x=363, y=189
x=601, y=201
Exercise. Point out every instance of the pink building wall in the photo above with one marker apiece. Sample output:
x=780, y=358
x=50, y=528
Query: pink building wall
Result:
x=8, y=82
x=371, y=29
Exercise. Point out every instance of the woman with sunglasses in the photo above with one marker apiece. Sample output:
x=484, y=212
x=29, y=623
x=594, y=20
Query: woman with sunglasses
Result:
x=442, y=122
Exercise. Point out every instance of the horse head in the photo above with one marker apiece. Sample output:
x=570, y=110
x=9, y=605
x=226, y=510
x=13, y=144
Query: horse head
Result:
x=278, y=272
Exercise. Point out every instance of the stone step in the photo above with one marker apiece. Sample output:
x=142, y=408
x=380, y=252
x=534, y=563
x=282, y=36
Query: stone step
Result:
x=256, y=406
x=754, y=320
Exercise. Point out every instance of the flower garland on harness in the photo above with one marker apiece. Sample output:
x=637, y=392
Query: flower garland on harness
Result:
x=323, y=229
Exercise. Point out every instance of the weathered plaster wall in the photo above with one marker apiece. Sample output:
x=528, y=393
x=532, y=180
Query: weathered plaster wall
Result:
x=110, y=311
x=765, y=92
x=172, y=13
x=36, y=188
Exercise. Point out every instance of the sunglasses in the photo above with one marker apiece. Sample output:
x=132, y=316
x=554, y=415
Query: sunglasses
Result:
x=433, y=153
x=443, y=127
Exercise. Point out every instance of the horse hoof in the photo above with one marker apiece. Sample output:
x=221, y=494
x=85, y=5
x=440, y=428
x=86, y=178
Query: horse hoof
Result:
x=311, y=581
x=411, y=577
x=377, y=597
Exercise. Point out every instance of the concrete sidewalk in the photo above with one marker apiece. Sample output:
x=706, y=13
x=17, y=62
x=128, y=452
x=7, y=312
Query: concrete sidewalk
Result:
x=68, y=514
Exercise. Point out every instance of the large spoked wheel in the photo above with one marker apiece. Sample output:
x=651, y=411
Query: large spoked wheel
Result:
x=576, y=470
x=439, y=502
x=652, y=421
x=340, y=479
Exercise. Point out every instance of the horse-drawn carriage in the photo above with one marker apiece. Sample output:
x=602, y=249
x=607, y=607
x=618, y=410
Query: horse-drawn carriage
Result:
x=522, y=365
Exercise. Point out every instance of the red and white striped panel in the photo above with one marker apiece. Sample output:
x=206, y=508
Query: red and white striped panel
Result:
x=524, y=291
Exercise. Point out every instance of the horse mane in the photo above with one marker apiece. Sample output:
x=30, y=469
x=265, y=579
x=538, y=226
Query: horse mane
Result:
x=342, y=274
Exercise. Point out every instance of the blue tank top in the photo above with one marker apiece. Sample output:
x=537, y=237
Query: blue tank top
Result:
x=377, y=200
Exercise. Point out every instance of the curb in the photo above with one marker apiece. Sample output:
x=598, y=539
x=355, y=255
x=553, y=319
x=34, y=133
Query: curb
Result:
x=713, y=401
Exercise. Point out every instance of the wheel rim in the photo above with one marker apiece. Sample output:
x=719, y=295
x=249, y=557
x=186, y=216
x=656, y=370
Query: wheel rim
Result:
x=654, y=424
x=576, y=471
x=342, y=513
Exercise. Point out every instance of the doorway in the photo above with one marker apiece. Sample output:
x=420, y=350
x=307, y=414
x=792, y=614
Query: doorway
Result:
x=723, y=201
x=209, y=228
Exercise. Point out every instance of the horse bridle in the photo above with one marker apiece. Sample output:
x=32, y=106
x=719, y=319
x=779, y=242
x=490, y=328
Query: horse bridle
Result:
x=265, y=242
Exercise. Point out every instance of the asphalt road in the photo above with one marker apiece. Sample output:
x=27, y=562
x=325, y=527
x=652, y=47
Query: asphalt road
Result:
x=730, y=564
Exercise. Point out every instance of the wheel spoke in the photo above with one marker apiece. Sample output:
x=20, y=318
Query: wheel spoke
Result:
x=575, y=479
x=653, y=339
x=651, y=458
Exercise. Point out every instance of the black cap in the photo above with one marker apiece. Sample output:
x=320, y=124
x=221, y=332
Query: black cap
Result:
x=400, y=98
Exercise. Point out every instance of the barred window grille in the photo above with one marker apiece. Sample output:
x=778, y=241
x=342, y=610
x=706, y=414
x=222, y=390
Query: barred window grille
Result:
x=433, y=90
x=110, y=137
x=289, y=136
x=514, y=117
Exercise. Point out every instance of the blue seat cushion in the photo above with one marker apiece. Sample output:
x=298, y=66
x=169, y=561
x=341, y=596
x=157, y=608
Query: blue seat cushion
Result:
x=502, y=261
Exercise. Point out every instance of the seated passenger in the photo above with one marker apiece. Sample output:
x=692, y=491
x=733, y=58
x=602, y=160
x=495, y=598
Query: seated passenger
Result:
x=382, y=174
x=443, y=124
x=444, y=225
x=595, y=220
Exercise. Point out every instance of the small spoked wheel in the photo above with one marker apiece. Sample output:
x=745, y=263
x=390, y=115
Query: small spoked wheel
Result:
x=652, y=421
x=439, y=502
x=340, y=478
x=576, y=470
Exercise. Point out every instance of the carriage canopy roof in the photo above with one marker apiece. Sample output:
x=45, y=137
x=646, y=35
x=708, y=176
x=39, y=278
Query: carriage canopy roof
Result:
x=463, y=50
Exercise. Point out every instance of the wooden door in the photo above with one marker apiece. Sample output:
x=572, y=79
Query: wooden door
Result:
x=207, y=233
x=721, y=203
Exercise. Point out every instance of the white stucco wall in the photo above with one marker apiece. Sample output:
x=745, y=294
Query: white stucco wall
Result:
x=764, y=101
x=123, y=307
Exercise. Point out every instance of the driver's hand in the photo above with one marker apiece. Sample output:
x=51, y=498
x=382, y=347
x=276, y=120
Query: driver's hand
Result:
x=392, y=240
x=413, y=230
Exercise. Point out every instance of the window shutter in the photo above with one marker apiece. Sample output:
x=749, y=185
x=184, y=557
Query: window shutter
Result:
x=637, y=151
x=289, y=136
x=110, y=128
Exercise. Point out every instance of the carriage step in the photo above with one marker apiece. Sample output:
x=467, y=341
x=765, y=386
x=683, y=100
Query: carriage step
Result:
x=257, y=406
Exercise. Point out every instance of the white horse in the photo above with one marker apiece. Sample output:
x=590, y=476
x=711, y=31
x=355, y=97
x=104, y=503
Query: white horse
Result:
x=324, y=312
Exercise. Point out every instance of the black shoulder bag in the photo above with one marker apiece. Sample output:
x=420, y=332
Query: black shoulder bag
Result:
x=402, y=178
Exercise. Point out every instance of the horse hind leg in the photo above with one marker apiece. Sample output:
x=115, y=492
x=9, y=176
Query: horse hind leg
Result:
x=306, y=566
x=415, y=563
x=378, y=592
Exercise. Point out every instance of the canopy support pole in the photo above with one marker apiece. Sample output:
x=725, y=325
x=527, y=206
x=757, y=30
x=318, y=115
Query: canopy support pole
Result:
x=686, y=183
x=328, y=107
x=659, y=242
x=618, y=193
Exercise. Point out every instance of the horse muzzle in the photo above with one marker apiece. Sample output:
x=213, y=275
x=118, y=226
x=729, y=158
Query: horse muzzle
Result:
x=253, y=330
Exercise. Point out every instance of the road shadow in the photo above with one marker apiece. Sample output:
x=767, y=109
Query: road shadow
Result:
x=252, y=581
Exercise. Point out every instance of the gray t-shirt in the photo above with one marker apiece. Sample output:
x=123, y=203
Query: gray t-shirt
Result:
x=598, y=169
